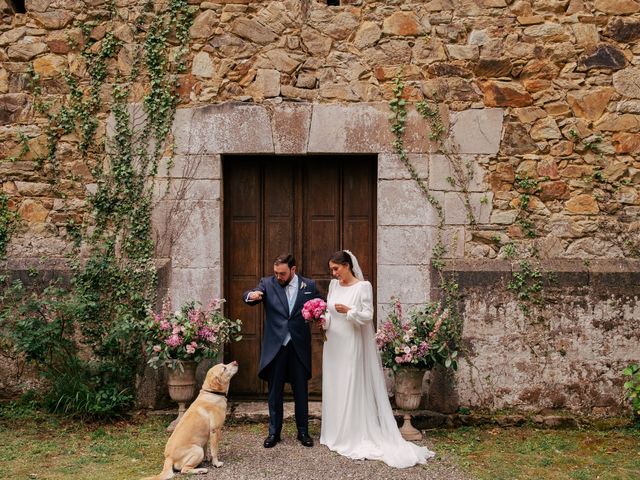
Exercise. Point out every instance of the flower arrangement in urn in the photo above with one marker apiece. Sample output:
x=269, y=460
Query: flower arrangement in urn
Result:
x=422, y=338
x=188, y=334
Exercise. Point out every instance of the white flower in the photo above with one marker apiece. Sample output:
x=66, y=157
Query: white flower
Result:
x=303, y=285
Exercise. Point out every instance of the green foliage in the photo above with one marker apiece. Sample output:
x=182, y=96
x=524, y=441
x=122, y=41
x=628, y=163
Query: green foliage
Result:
x=88, y=341
x=632, y=388
x=527, y=283
x=8, y=224
x=42, y=328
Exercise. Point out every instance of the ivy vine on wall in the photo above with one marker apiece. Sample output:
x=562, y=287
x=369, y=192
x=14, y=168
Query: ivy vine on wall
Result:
x=114, y=274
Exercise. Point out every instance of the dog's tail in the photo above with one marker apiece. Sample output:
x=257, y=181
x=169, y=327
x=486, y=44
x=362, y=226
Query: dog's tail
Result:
x=166, y=473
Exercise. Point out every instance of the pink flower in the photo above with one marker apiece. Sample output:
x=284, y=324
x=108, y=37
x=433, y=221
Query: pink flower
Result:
x=157, y=348
x=399, y=360
x=191, y=348
x=165, y=325
x=174, y=340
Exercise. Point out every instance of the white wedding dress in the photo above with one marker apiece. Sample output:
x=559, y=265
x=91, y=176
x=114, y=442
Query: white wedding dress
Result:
x=357, y=419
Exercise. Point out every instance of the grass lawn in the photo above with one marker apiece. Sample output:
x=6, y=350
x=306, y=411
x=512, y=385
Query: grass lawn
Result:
x=40, y=446
x=530, y=453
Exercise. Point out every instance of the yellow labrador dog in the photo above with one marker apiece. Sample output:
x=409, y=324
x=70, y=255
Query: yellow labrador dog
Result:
x=200, y=425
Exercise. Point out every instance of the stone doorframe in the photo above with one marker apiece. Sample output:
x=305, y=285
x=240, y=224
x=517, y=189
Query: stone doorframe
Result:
x=188, y=216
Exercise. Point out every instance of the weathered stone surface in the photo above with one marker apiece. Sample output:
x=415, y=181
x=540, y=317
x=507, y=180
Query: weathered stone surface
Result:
x=443, y=175
x=456, y=211
x=282, y=61
x=558, y=190
x=626, y=142
x=400, y=202
x=505, y=94
x=202, y=65
x=593, y=248
x=516, y=140
x=367, y=35
x=12, y=36
x=290, y=123
x=37, y=5
x=582, y=204
x=617, y=7
x=253, y=30
x=223, y=128
x=623, y=30
x=24, y=51
x=489, y=67
x=402, y=23
x=613, y=122
x=49, y=65
x=590, y=105
x=462, y=52
x=393, y=283
x=204, y=25
x=359, y=128
x=550, y=32
x=53, y=20
x=626, y=82
x=602, y=56
x=390, y=167
x=405, y=245
x=448, y=70
x=315, y=43
x=33, y=211
x=12, y=106
x=545, y=129
x=266, y=84
x=627, y=195
x=342, y=26
x=586, y=34
x=477, y=131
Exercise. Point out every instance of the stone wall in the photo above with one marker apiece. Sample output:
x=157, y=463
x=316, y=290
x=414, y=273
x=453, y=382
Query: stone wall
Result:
x=543, y=90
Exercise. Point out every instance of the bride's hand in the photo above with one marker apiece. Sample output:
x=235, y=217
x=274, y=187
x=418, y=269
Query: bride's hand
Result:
x=340, y=308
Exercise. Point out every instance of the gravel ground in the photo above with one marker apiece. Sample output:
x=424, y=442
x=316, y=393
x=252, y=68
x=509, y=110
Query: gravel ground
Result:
x=244, y=457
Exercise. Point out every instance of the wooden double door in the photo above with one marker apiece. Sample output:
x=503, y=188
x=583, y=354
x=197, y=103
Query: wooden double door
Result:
x=310, y=206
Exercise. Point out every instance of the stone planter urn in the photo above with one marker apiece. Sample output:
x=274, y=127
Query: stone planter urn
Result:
x=408, y=395
x=182, y=386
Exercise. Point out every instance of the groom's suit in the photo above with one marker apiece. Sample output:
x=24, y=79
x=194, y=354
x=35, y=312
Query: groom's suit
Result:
x=280, y=363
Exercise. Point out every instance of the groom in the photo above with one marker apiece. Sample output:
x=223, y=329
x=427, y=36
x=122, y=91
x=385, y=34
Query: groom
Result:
x=286, y=344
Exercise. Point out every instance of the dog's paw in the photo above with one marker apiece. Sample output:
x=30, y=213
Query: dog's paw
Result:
x=217, y=464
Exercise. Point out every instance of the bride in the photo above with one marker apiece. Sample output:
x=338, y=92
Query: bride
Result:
x=357, y=420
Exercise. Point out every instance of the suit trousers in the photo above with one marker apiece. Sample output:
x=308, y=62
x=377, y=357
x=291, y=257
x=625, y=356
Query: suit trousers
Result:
x=286, y=366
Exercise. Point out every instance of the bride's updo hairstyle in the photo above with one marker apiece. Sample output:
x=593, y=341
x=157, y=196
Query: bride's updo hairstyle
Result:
x=342, y=258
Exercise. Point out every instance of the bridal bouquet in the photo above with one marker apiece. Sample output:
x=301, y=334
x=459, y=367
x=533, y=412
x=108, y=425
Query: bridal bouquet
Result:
x=422, y=338
x=315, y=310
x=191, y=333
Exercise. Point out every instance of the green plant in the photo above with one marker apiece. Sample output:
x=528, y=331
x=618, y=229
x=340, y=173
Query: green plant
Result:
x=423, y=338
x=527, y=284
x=8, y=224
x=191, y=333
x=632, y=388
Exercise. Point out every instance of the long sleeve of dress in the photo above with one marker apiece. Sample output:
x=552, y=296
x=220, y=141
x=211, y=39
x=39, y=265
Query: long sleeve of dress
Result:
x=363, y=310
x=327, y=317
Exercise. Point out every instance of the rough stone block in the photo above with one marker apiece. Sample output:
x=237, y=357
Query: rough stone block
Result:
x=405, y=245
x=410, y=283
x=400, y=202
x=456, y=212
x=198, y=167
x=441, y=170
x=199, y=284
x=477, y=131
x=361, y=128
x=290, y=126
x=223, y=128
x=391, y=167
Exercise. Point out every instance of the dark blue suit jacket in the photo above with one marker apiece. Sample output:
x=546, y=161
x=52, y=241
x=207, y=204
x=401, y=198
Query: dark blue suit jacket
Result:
x=278, y=322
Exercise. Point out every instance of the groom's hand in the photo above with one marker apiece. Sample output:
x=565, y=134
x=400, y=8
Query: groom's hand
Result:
x=255, y=296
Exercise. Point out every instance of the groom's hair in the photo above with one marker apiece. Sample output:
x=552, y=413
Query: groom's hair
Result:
x=342, y=258
x=287, y=258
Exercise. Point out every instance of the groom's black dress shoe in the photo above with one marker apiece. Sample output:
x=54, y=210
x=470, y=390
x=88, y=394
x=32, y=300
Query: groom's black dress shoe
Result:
x=271, y=441
x=305, y=439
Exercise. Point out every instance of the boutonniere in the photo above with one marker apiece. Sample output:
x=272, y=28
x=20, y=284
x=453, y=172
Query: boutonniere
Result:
x=303, y=285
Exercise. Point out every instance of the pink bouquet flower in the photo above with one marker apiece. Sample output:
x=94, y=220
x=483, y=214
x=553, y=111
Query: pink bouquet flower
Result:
x=315, y=310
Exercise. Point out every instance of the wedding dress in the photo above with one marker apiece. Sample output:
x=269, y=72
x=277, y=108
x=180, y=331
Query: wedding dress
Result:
x=357, y=419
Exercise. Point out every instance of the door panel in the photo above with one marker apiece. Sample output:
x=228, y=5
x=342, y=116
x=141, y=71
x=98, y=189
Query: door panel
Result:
x=308, y=206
